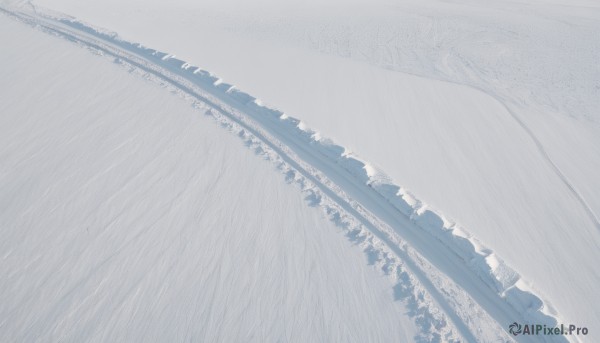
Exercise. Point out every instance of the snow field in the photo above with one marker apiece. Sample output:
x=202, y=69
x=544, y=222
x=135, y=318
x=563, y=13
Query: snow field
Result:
x=476, y=162
x=128, y=215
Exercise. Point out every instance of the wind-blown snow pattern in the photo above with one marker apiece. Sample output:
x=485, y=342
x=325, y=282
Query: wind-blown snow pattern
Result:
x=124, y=217
x=454, y=287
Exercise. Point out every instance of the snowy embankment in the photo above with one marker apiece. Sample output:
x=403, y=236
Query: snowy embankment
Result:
x=357, y=196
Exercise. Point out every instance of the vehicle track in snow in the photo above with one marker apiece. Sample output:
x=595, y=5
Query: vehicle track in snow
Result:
x=449, y=297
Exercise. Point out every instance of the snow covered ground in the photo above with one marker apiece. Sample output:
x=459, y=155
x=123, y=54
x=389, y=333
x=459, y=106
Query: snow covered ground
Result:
x=488, y=113
x=128, y=215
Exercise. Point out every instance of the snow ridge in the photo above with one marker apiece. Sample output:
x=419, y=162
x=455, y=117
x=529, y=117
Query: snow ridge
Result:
x=488, y=266
x=386, y=220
